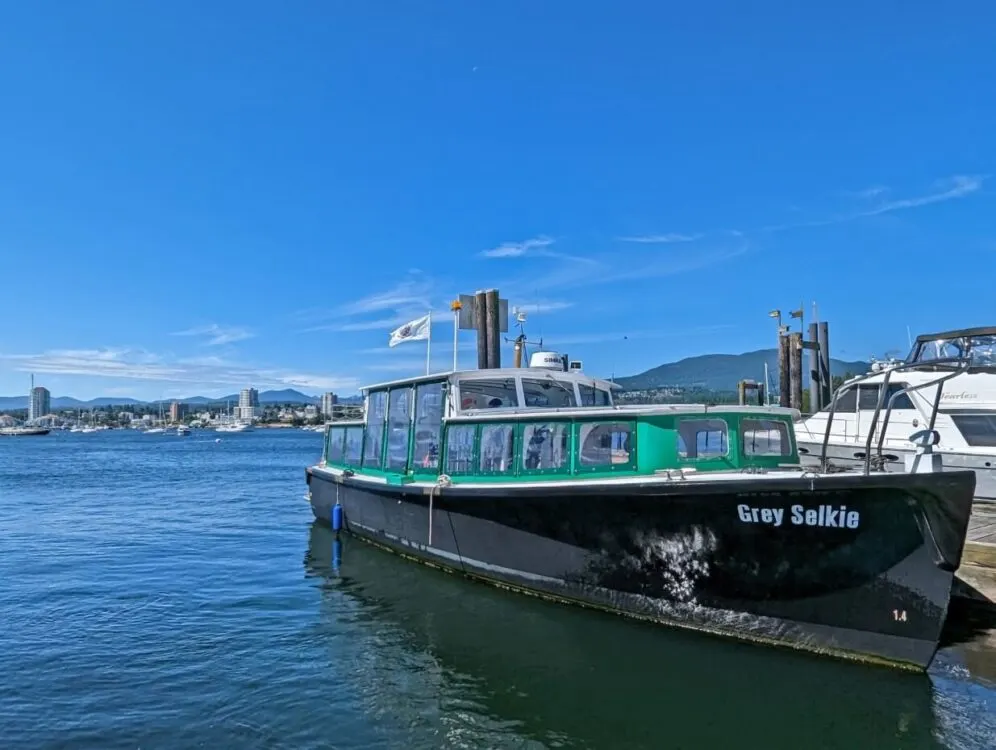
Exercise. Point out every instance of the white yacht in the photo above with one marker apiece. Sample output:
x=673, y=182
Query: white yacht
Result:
x=956, y=370
x=234, y=427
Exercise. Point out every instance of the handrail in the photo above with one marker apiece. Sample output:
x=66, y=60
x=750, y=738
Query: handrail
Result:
x=909, y=389
x=854, y=382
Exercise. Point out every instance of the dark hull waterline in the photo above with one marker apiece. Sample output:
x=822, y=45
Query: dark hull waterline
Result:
x=856, y=567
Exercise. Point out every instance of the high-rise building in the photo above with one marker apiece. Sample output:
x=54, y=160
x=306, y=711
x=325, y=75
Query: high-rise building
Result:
x=177, y=411
x=39, y=403
x=329, y=400
x=248, y=408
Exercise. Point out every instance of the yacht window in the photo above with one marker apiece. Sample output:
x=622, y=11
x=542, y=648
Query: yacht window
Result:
x=460, y=448
x=702, y=438
x=605, y=444
x=497, y=446
x=353, y=445
x=428, y=426
x=374, y=433
x=980, y=349
x=398, y=426
x=979, y=430
x=902, y=401
x=868, y=396
x=765, y=437
x=335, y=449
x=544, y=446
x=591, y=396
x=548, y=392
x=847, y=400
x=498, y=393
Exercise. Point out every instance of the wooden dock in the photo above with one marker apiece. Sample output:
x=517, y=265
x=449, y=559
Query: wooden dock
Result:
x=977, y=574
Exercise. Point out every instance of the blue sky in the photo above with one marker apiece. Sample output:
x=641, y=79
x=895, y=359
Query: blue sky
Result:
x=200, y=196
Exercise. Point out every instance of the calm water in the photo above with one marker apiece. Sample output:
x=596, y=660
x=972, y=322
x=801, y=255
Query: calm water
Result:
x=173, y=592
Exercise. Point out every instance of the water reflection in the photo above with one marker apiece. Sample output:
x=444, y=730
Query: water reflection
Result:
x=485, y=668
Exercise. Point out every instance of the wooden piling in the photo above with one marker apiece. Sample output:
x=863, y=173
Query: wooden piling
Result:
x=784, y=389
x=825, y=379
x=815, y=391
x=795, y=370
x=493, y=329
x=481, y=324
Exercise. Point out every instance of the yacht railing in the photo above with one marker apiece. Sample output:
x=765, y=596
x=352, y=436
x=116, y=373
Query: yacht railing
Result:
x=960, y=364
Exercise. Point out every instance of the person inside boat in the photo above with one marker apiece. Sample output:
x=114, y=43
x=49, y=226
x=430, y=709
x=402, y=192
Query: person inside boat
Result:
x=535, y=447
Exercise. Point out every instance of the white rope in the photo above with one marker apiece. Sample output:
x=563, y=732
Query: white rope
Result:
x=443, y=481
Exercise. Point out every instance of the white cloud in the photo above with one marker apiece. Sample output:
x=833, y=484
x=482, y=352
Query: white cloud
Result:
x=952, y=188
x=629, y=267
x=408, y=299
x=216, y=334
x=125, y=364
x=662, y=239
x=517, y=249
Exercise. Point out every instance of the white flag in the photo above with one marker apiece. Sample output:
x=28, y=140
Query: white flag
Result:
x=416, y=330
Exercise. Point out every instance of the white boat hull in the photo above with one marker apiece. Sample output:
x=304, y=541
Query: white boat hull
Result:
x=852, y=455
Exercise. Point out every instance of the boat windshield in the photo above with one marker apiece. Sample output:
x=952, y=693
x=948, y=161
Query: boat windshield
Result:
x=980, y=350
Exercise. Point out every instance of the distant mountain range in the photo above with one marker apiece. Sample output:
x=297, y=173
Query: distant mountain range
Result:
x=286, y=396
x=714, y=372
x=722, y=372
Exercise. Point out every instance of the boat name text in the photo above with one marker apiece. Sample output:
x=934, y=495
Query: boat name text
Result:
x=828, y=516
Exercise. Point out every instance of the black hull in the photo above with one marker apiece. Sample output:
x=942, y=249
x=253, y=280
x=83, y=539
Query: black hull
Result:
x=691, y=554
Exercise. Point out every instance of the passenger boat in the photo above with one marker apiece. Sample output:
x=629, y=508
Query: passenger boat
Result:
x=689, y=515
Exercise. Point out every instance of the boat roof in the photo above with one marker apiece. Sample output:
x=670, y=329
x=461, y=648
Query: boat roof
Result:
x=957, y=334
x=498, y=372
x=621, y=411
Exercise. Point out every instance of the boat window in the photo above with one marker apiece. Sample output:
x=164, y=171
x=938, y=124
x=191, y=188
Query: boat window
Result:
x=373, y=440
x=460, y=448
x=428, y=426
x=497, y=447
x=398, y=426
x=979, y=430
x=765, y=437
x=903, y=401
x=335, y=449
x=548, y=392
x=847, y=400
x=544, y=446
x=495, y=393
x=591, y=396
x=702, y=438
x=980, y=350
x=868, y=397
x=353, y=446
x=605, y=444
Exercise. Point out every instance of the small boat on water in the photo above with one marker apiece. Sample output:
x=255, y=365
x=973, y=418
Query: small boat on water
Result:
x=694, y=516
x=23, y=431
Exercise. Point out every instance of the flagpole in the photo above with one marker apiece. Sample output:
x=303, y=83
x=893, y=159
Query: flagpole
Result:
x=456, y=335
x=428, y=343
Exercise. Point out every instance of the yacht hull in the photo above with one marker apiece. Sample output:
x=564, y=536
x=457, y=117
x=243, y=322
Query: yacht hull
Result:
x=775, y=561
x=852, y=455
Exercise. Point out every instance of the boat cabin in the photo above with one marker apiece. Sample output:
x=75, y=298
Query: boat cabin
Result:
x=966, y=416
x=504, y=424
